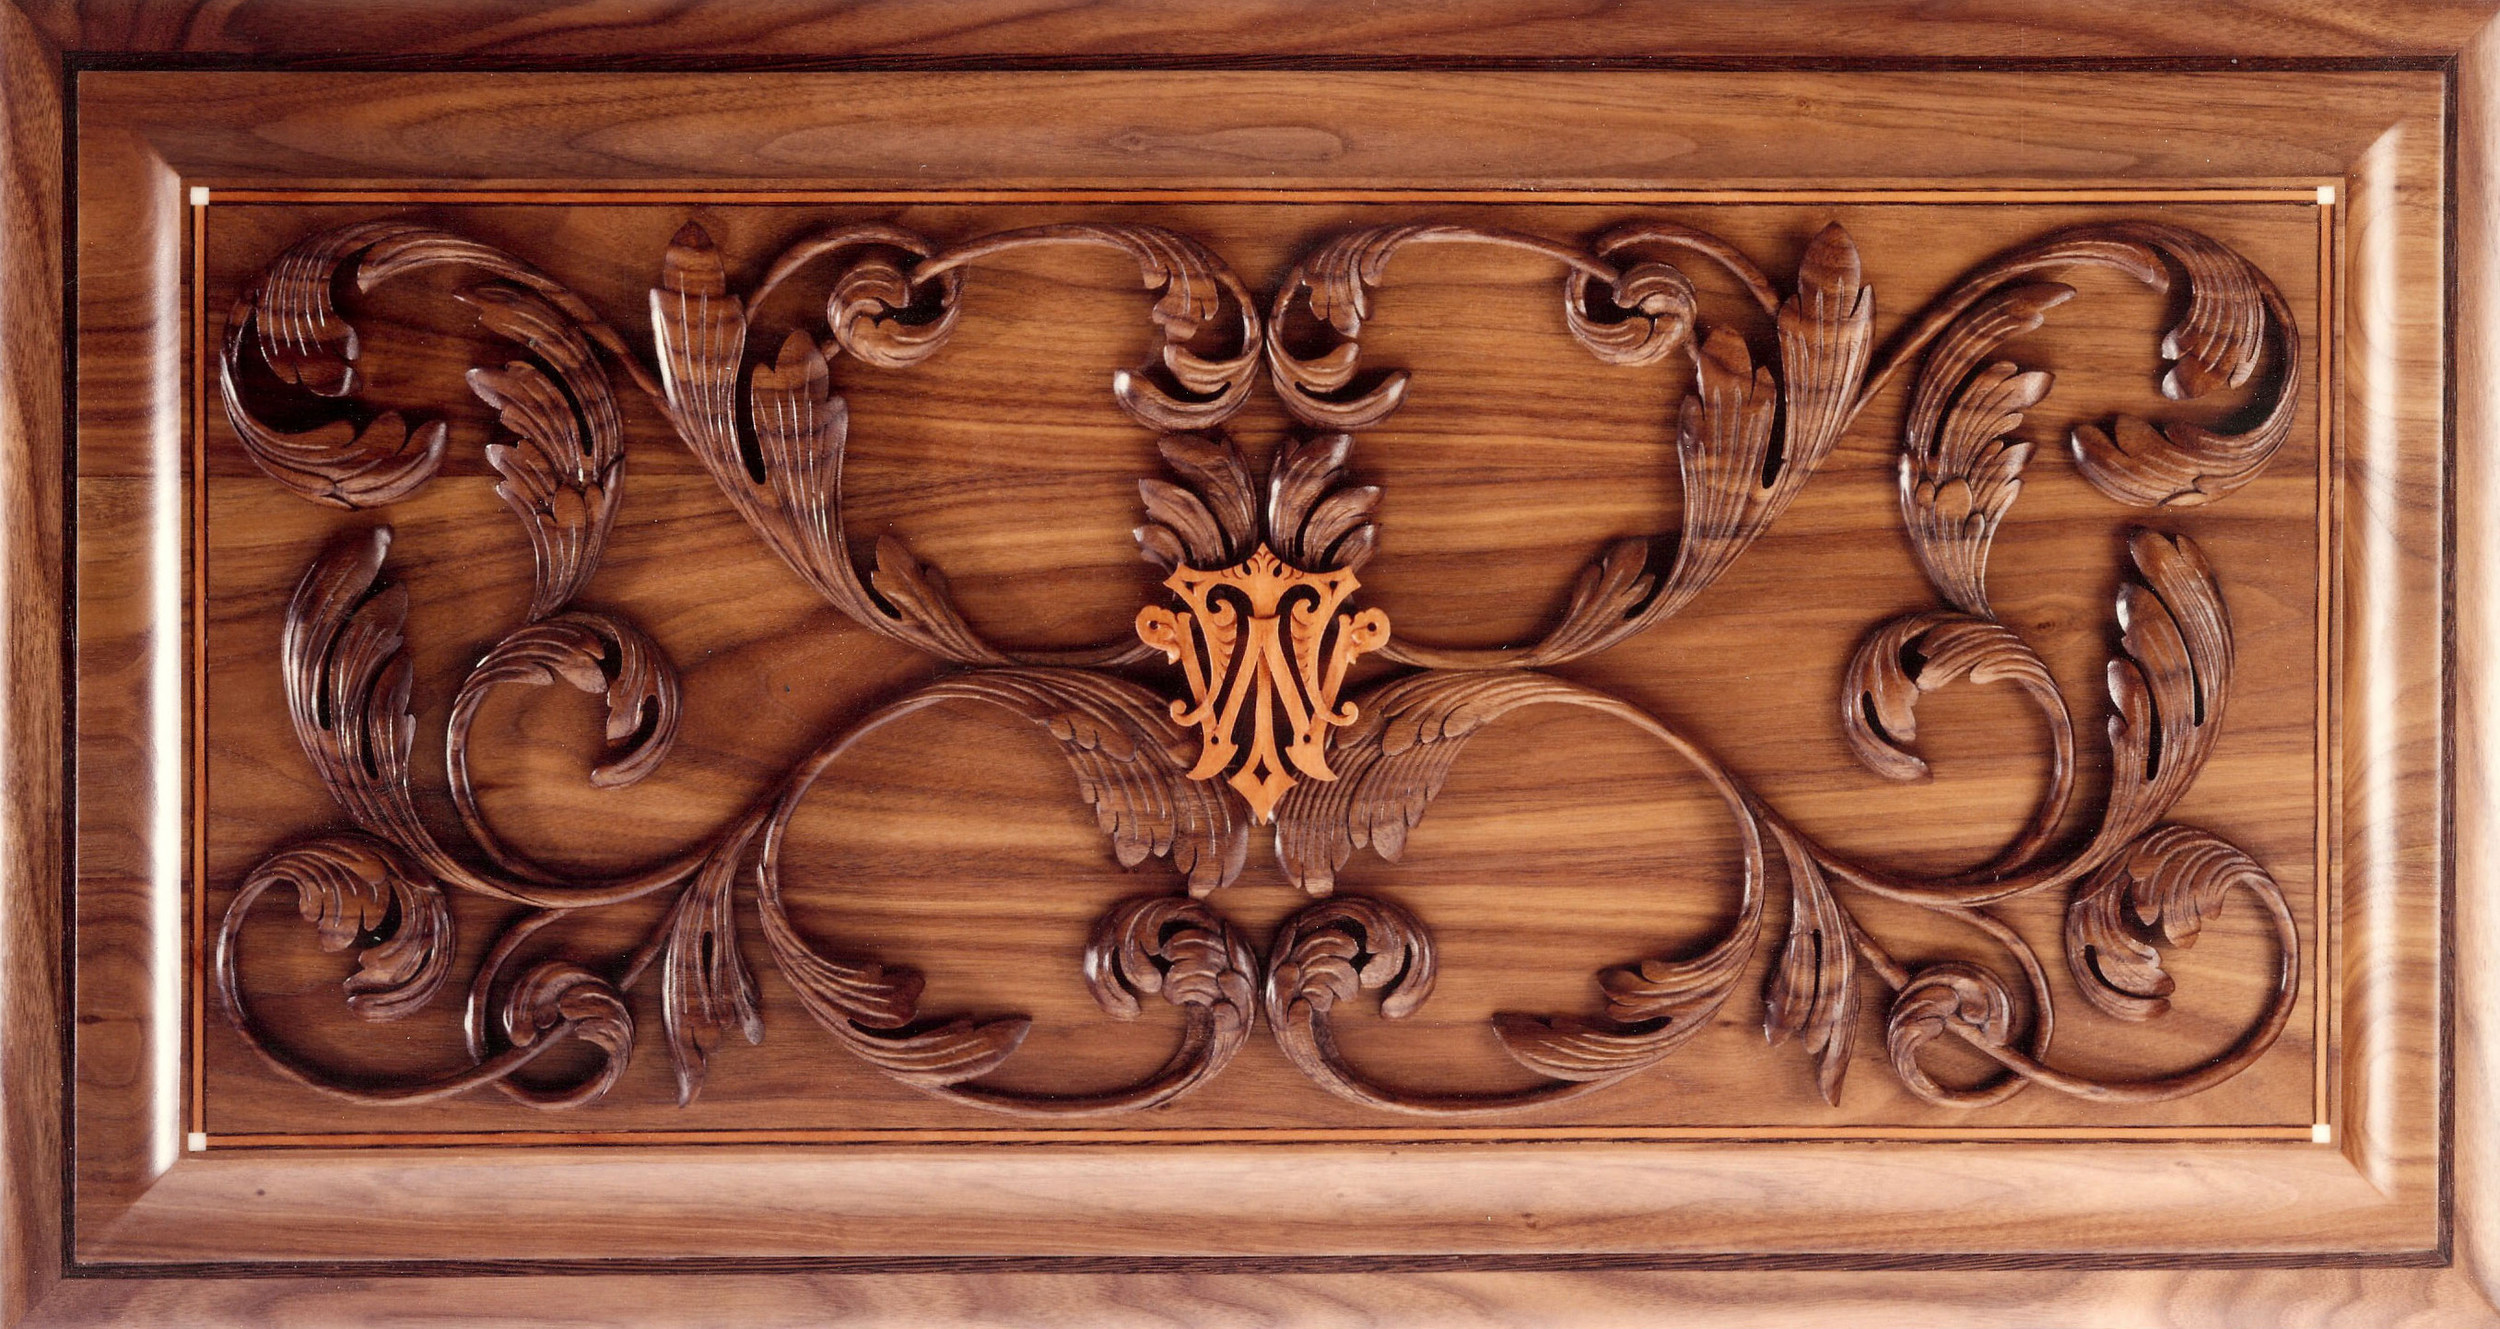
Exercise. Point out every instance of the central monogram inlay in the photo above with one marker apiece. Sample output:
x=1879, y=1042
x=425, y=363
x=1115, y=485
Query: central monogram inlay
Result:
x=1263, y=566
x=1261, y=642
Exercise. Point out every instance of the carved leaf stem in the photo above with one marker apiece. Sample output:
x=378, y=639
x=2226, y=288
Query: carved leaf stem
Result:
x=358, y=891
x=1129, y=761
x=788, y=483
x=1393, y=762
x=1747, y=440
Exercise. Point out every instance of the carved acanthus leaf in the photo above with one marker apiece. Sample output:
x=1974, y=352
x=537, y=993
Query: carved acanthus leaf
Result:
x=2167, y=884
x=345, y=665
x=562, y=479
x=1652, y=1007
x=1960, y=466
x=597, y=654
x=788, y=485
x=1814, y=992
x=1723, y=444
x=1274, y=548
x=2231, y=310
x=1909, y=657
x=1211, y=521
x=1315, y=520
x=288, y=316
x=874, y=1009
x=558, y=1000
x=1338, y=277
x=1390, y=764
x=1735, y=483
x=2217, y=344
x=1326, y=955
x=1178, y=948
x=358, y=891
x=290, y=319
x=2171, y=688
x=1193, y=290
x=705, y=985
x=1132, y=764
x=801, y=430
x=1187, y=953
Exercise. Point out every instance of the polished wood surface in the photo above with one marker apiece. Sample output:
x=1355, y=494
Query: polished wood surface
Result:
x=33, y=777
x=1537, y=445
x=1275, y=31
x=2373, y=1193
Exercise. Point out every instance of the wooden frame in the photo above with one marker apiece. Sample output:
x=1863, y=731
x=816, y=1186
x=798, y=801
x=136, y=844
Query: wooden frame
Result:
x=101, y=1195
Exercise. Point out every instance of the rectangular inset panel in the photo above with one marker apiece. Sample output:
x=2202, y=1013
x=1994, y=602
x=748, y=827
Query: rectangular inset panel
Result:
x=1593, y=536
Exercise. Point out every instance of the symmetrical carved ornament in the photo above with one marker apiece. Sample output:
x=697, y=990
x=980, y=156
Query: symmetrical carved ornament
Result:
x=1250, y=728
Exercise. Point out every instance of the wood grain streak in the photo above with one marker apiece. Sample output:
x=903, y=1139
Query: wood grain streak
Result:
x=34, y=995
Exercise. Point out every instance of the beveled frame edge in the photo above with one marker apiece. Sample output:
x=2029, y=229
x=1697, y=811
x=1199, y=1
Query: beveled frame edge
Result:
x=998, y=1294
x=153, y=181
x=128, y=275
x=2378, y=1198
x=149, y=183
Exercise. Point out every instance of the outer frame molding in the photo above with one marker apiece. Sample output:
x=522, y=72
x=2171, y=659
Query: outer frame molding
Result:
x=131, y=1203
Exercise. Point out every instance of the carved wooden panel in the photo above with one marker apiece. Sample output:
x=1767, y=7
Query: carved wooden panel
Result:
x=1519, y=718
x=1061, y=665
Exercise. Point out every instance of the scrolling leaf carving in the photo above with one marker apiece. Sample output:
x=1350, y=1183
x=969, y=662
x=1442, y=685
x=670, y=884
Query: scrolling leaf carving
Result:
x=1264, y=632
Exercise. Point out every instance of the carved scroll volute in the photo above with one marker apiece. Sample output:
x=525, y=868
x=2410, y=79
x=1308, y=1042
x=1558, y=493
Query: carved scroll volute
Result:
x=2164, y=887
x=357, y=891
x=1194, y=291
x=1129, y=761
x=289, y=320
x=1947, y=998
x=1959, y=467
x=1393, y=762
x=788, y=485
x=1325, y=956
x=1747, y=438
x=556, y=1000
x=1906, y=659
x=1635, y=316
x=285, y=337
x=2218, y=344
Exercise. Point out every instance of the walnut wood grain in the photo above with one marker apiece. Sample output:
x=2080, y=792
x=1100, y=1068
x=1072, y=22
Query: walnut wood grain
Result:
x=1269, y=32
x=1265, y=651
x=2067, y=1197
x=958, y=990
x=35, y=677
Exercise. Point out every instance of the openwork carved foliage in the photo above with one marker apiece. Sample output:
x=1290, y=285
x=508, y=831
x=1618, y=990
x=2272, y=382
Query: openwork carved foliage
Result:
x=1248, y=723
